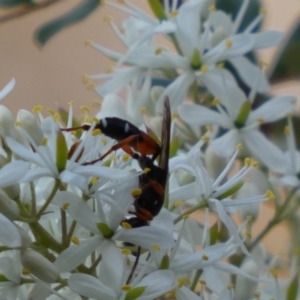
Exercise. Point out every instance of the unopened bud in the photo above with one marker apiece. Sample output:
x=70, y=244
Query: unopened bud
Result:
x=8, y=207
x=39, y=266
x=30, y=124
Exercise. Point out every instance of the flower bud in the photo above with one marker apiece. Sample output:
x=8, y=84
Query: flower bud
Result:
x=39, y=266
x=13, y=191
x=245, y=288
x=25, y=238
x=30, y=124
x=8, y=207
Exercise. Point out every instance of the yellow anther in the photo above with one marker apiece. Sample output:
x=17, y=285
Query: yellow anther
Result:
x=143, y=110
x=126, y=157
x=85, y=109
x=136, y=192
x=202, y=282
x=205, y=138
x=174, y=115
x=56, y=117
x=90, y=86
x=204, y=69
x=205, y=257
x=260, y=120
x=228, y=43
x=287, y=130
x=247, y=162
x=51, y=112
x=86, y=79
x=37, y=108
x=128, y=262
x=263, y=64
x=96, y=120
x=88, y=43
x=108, y=19
x=263, y=11
x=104, y=141
x=215, y=101
x=212, y=7
x=96, y=132
x=155, y=247
x=249, y=218
x=126, y=252
x=248, y=234
x=126, y=225
x=270, y=195
x=158, y=51
x=19, y=123
x=173, y=14
x=256, y=295
x=220, y=65
x=274, y=272
x=180, y=282
x=65, y=205
x=94, y=180
x=126, y=288
x=75, y=240
x=230, y=286
x=44, y=141
x=71, y=103
x=25, y=271
x=146, y=170
x=209, y=128
x=239, y=146
x=254, y=163
x=178, y=203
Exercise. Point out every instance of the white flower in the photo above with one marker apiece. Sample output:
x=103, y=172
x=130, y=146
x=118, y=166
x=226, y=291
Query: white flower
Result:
x=242, y=123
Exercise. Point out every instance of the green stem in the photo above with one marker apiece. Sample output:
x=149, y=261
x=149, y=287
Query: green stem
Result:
x=45, y=238
x=195, y=280
x=276, y=220
x=50, y=198
x=64, y=234
x=202, y=204
x=72, y=229
x=33, y=199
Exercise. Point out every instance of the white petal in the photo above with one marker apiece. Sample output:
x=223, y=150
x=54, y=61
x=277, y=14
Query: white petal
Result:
x=12, y=172
x=9, y=234
x=241, y=44
x=74, y=179
x=89, y=286
x=7, y=89
x=75, y=255
x=176, y=91
x=265, y=151
x=201, y=115
x=112, y=266
x=148, y=236
x=250, y=73
x=10, y=268
x=185, y=293
x=37, y=173
x=226, y=144
x=157, y=284
x=274, y=109
x=267, y=39
x=78, y=209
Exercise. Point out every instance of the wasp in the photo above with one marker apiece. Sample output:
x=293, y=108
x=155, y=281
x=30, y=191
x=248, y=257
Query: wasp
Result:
x=142, y=147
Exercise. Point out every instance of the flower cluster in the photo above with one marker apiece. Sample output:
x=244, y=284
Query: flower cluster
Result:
x=95, y=216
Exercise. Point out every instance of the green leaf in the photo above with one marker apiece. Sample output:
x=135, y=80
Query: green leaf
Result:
x=80, y=12
x=231, y=7
x=292, y=290
x=12, y=3
x=286, y=64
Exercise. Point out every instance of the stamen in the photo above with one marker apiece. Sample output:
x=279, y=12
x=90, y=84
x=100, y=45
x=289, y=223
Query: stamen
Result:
x=75, y=240
x=37, y=108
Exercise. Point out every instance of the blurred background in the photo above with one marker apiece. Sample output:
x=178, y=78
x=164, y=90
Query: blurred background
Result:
x=52, y=75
